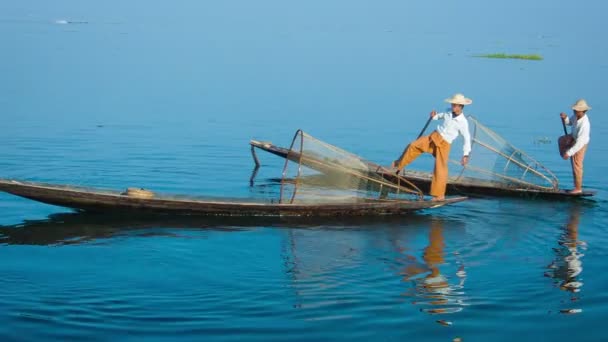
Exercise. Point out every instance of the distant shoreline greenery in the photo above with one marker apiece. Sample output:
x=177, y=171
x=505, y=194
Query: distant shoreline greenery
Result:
x=532, y=57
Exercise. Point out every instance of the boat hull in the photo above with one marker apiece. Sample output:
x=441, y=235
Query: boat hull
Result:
x=92, y=200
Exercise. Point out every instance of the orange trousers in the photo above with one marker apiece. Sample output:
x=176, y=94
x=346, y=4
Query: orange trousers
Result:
x=565, y=142
x=440, y=149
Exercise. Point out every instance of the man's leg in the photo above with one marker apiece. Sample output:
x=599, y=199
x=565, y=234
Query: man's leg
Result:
x=577, y=162
x=440, y=172
x=417, y=147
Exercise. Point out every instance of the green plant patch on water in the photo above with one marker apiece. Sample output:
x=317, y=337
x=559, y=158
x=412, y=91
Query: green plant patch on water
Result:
x=532, y=57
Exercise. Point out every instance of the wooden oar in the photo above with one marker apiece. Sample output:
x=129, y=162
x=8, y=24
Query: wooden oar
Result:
x=571, y=161
x=564, y=126
x=426, y=125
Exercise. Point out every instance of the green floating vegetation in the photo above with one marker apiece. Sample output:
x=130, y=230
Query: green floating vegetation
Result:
x=533, y=57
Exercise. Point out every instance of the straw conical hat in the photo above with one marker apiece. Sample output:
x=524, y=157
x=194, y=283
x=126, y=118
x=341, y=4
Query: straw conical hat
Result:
x=459, y=99
x=581, y=106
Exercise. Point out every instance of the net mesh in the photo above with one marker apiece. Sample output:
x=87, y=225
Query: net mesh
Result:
x=317, y=172
x=495, y=162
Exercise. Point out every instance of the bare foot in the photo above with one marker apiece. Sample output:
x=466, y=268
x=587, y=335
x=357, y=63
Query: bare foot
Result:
x=576, y=191
x=438, y=199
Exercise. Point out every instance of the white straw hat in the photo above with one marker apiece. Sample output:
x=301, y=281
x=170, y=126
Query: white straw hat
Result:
x=581, y=106
x=459, y=99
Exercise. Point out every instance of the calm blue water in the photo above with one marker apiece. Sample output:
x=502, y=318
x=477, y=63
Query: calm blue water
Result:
x=166, y=95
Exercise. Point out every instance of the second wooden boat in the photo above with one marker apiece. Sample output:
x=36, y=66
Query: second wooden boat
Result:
x=496, y=168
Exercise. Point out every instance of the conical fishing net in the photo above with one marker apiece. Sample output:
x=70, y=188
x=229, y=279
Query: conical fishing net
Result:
x=495, y=162
x=317, y=172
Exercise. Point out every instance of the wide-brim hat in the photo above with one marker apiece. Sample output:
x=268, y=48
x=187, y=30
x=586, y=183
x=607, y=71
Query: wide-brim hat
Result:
x=459, y=99
x=581, y=106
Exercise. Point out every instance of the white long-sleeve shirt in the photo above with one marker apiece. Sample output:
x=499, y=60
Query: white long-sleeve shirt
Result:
x=452, y=126
x=581, y=132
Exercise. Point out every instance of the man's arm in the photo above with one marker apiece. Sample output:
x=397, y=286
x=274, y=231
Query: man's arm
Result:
x=437, y=116
x=466, y=146
x=582, y=140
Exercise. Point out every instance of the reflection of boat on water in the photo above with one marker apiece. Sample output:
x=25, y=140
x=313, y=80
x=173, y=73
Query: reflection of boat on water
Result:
x=355, y=192
x=322, y=258
x=496, y=168
x=432, y=289
x=75, y=228
x=567, y=266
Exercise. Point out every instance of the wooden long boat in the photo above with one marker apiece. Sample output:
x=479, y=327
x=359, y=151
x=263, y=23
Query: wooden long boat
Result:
x=108, y=201
x=467, y=186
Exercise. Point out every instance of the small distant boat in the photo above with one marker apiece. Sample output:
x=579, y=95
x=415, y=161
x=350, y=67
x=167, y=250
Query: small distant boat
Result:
x=107, y=201
x=67, y=22
x=496, y=168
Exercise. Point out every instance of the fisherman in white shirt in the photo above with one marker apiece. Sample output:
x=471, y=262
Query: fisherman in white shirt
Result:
x=575, y=145
x=439, y=142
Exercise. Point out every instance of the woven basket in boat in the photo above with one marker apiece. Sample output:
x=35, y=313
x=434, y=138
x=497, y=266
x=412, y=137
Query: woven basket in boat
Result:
x=139, y=193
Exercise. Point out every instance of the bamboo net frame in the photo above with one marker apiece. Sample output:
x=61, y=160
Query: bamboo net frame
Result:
x=369, y=172
x=524, y=162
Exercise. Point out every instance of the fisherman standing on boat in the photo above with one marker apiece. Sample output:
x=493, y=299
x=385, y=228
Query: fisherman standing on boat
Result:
x=574, y=145
x=438, y=144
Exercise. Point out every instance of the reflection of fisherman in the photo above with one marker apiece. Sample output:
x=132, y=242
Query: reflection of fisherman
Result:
x=575, y=145
x=433, y=257
x=568, y=264
x=434, y=285
x=438, y=144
